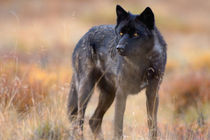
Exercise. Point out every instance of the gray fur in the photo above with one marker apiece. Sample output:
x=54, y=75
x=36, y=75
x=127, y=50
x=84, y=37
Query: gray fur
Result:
x=96, y=61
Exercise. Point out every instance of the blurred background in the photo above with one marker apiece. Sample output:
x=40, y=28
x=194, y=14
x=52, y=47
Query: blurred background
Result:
x=37, y=38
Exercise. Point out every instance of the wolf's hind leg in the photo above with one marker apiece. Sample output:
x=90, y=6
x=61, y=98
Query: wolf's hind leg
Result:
x=86, y=86
x=105, y=100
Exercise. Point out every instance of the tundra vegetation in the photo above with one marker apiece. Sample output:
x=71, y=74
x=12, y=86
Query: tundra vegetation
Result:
x=36, y=42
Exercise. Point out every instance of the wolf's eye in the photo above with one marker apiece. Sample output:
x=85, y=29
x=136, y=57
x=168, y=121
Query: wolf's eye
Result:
x=135, y=34
x=121, y=33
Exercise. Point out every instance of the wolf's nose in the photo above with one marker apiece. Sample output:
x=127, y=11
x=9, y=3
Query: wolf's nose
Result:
x=120, y=49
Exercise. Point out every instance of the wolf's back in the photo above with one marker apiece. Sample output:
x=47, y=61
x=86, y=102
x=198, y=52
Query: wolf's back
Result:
x=98, y=40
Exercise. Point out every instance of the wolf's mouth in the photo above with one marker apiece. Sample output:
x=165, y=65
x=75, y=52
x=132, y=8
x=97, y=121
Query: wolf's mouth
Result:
x=121, y=53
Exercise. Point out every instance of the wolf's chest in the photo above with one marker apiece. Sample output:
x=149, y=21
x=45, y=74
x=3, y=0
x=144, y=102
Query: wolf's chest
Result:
x=132, y=81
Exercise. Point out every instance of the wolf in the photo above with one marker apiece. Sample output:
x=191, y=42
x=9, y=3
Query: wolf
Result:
x=120, y=60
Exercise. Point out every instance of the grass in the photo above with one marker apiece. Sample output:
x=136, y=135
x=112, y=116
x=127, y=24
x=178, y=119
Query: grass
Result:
x=33, y=106
x=43, y=121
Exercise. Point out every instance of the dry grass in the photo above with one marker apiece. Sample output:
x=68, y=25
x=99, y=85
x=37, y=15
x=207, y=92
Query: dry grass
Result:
x=188, y=90
x=33, y=106
x=46, y=120
x=25, y=85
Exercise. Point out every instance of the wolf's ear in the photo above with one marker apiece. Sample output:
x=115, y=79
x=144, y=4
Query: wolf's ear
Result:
x=147, y=17
x=121, y=13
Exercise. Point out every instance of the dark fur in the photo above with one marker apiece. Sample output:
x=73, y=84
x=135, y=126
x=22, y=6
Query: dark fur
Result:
x=119, y=65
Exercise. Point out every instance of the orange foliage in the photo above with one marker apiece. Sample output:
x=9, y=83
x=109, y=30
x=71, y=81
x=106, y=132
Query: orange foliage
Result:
x=24, y=85
x=192, y=89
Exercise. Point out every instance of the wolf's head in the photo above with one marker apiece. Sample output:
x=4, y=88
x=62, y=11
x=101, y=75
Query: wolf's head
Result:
x=134, y=31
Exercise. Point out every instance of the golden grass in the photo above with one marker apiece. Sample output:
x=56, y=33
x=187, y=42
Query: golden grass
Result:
x=201, y=61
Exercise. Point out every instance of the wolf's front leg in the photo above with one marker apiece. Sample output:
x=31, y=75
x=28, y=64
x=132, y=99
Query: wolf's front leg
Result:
x=119, y=114
x=152, y=108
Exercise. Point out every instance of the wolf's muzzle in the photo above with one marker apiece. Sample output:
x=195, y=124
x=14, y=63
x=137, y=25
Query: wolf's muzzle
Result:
x=122, y=44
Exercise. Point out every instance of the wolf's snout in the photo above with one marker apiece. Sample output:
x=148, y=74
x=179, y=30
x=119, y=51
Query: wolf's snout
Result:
x=121, y=49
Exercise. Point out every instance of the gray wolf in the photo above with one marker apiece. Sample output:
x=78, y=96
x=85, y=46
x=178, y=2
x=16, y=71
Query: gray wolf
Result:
x=120, y=60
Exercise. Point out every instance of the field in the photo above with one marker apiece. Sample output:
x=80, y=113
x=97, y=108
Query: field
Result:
x=36, y=42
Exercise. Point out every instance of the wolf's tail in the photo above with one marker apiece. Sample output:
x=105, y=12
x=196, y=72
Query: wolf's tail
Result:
x=72, y=101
